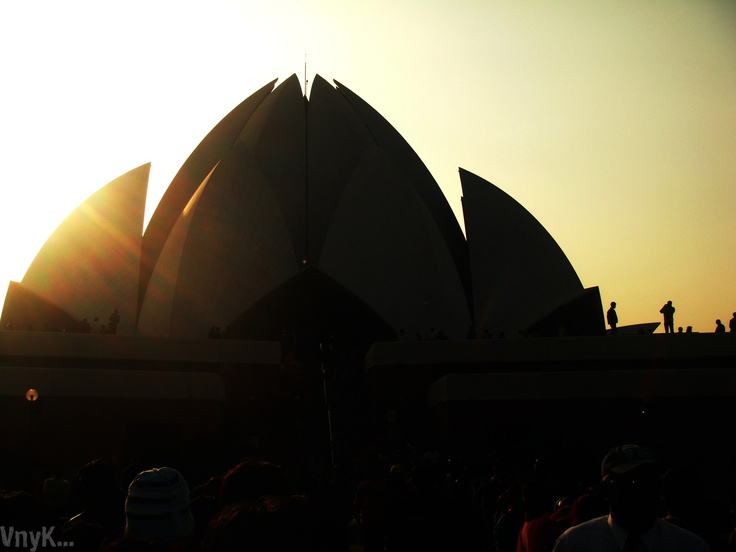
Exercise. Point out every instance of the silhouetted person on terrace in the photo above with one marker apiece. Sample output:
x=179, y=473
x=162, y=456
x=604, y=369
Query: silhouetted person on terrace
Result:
x=720, y=328
x=112, y=326
x=668, y=311
x=732, y=324
x=612, y=318
x=632, y=482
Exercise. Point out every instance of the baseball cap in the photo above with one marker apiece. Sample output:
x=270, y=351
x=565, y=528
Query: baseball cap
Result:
x=624, y=458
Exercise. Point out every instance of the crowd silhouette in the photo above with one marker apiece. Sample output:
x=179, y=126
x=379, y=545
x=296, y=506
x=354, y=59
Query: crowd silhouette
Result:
x=385, y=494
x=404, y=501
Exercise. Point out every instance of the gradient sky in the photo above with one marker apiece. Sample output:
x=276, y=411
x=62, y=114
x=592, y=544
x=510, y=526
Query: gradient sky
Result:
x=612, y=122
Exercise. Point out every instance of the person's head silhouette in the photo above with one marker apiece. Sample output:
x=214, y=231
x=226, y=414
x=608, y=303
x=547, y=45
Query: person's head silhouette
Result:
x=632, y=478
x=632, y=485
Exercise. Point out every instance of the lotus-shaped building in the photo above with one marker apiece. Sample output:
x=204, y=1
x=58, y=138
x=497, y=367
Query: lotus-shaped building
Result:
x=306, y=215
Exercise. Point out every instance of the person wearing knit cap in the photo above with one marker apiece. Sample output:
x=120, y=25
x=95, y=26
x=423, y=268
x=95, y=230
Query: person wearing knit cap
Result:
x=157, y=507
x=631, y=479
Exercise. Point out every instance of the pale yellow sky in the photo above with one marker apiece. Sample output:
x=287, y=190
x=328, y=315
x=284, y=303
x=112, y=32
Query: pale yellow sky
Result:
x=612, y=122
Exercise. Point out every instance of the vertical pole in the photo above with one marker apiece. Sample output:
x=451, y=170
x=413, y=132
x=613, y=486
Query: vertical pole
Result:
x=305, y=261
x=305, y=76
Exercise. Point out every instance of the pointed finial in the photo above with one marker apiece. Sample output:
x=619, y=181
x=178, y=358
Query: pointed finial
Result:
x=306, y=82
